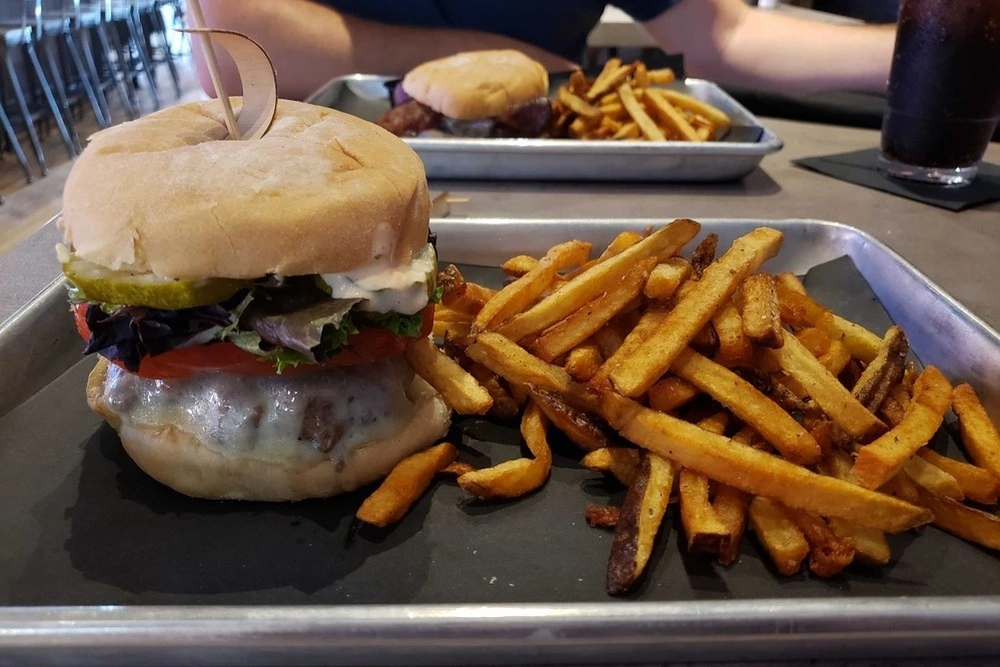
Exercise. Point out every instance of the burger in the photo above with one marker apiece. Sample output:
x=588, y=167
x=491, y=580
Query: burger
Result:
x=501, y=93
x=250, y=302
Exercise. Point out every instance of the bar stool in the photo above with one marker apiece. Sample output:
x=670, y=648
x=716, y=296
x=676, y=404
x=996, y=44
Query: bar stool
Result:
x=62, y=21
x=150, y=16
x=121, y=16
x=18, y=23
x=15, y=145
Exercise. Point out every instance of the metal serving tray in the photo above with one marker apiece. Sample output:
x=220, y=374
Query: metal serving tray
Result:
x=100, y=564
x=366, y=95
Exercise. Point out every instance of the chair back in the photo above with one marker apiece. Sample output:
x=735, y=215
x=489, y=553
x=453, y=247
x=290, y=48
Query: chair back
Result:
x=20, y=12
x=65, y=9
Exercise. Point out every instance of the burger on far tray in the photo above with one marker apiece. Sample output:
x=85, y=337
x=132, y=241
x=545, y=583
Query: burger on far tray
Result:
x=500, y=93
x=251, y=301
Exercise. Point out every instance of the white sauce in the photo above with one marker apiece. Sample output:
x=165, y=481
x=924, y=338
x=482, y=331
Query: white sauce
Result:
x=262, y=417
x=400, y=289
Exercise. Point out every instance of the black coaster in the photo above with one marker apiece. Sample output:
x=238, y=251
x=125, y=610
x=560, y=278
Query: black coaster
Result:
x=859, y=167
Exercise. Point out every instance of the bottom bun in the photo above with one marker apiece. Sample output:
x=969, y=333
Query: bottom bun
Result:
x=186, y=464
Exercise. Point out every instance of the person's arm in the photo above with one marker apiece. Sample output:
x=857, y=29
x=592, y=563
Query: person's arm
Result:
x=729, y=42
x=309, y=43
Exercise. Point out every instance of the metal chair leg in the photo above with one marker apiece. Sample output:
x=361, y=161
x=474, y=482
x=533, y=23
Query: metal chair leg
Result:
x=97, y=85
x=59, y=88
x=15, y=145
x=22, y=104
x=84, y=76
x=121, y=86
x=160, y=27
x=147, y=65
x=109, y=39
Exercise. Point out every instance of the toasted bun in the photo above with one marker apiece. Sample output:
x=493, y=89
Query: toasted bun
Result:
x=477, y=84
x=182, y=462
x=321, y=192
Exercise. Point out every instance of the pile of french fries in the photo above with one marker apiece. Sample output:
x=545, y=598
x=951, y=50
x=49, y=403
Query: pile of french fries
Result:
x=708, y=384
x=626, y=101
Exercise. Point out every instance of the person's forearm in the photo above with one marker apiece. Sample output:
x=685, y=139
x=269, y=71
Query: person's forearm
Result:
x=771, y=51
x=310, y=43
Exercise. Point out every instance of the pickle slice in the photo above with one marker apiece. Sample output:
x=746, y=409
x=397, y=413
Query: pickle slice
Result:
x=97, y=283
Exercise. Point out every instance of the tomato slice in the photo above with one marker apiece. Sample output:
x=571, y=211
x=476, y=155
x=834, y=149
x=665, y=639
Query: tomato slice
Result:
x=366, y=346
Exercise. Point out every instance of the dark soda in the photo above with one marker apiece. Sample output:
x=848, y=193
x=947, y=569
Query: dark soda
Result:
x=944, y=89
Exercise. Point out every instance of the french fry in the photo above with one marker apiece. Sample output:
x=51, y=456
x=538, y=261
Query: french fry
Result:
x=731, y=507
x=459, y=295
x=666, y=277
x=602, y=516
x=610, y=338
x=836, y=358
x=671, y=393
x=870, y=545
x=646, y=125
x=933, y=478
x=749, y=437
x=799, y=309
x=661, y=76
x=577, y=426
x=456, y=468
x=584, y=361
x=609, y=78
x=892, y=411
x=703, y=528
x=979, y=433
x=756, y=472
x=518, y=265
x=405, y=483
x=524, y=291
x=735, y=348
x=457, y=387
x=884, y=372
x=581, y=325
x=455, y=330
x=688, y=103
x=781, y=538
x=978, y=484
x=504, y=408
x=750, y=405
x=950, y=515
x=790, y=281
x=621, y=462
x=761, y=316
x=577, y=104
x=648, y=323
x=628, y=130
x=618, y=245
x=585, y=287
x=704, y=254
x=639, y=522
x=639, y=371
x=669, y=116
x=513, y=479
x=828, y=554
x=831, y=396
x=516, y=365
x=885, y=456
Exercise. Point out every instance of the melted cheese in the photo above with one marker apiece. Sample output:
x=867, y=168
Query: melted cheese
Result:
x=262, y=417
x=382, y=288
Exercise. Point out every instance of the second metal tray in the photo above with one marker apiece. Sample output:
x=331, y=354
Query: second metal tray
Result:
x=366, y=96
x=100, y=563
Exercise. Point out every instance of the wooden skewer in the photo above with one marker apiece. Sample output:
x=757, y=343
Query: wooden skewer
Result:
x=213, y=69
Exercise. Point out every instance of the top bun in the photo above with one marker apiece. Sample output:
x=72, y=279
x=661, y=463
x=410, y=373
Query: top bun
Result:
x=477, y=84
x=321, y=192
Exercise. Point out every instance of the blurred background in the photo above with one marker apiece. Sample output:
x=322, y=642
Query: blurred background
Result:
x=72, y=67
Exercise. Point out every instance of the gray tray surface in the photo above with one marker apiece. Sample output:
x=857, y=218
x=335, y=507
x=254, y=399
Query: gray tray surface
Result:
x=83, y=526
x=366, y=96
